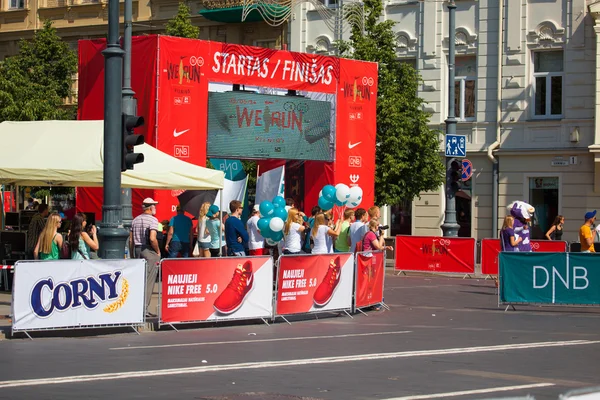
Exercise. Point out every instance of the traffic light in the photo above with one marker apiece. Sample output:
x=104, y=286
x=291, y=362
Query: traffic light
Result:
x=456, y=181
x=130, y=140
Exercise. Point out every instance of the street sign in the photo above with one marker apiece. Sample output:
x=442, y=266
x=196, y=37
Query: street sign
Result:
x=456, y=146
x=467, y=170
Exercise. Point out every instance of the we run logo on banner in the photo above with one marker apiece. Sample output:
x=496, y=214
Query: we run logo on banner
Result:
x=58, y=294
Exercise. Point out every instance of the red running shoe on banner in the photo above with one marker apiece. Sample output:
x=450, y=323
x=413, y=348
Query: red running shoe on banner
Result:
x=325, y=291
x=234, y=294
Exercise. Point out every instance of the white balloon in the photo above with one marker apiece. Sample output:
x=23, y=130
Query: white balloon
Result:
x=342, y=192
x=276, y=224
x=320, y=194
x=355, y=197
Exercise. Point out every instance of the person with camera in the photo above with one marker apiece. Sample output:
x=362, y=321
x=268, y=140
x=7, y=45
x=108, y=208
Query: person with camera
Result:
x=374, y=238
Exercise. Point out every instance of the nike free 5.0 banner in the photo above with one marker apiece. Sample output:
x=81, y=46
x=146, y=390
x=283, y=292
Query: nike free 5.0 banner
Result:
x=314, y=283
x=216, y=289
x=73, y=293
x=550, y=278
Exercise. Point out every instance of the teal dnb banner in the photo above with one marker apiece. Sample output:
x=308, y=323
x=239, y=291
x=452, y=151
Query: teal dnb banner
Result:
x=550, y=278
x=252, y=125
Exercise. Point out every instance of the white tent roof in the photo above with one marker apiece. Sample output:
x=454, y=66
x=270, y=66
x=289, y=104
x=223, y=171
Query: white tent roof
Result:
x=70, y=153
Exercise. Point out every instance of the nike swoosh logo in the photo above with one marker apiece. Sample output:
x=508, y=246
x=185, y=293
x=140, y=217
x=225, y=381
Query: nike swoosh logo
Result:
x=177, y=134
x=351, y=146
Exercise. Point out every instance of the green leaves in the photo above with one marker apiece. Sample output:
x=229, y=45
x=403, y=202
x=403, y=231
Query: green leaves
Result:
x=407, y=156
x=34, y=83
x=181, y=24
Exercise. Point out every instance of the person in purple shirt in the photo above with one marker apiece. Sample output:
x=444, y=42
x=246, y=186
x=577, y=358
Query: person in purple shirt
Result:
x=508, y=242
x=235, y=232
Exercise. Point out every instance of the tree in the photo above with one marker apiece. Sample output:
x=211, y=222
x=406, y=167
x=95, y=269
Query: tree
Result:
x=407, y=156
x=35, y=82
x=181, y=24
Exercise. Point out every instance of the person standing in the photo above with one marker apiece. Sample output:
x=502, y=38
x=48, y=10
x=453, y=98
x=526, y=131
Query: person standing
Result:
x=587, y=234
x=235, y=234
x=342, y=243
x=143, y=243
x=256, y=243
x=507, y=235
x=556, y=230
x=80, y=242
x=357, y=229
x=180, y=235
x=50, y=241
x=292, y=232
x=204, y=238
x=36, y=226
x=322, y=234
x=215, y=229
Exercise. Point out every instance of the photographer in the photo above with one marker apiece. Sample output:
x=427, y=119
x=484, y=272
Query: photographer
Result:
x=374, y=239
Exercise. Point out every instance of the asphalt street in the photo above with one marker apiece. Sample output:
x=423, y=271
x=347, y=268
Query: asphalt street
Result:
x=443, y=338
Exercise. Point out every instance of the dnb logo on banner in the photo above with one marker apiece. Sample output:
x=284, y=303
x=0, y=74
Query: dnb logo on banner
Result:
x=59, y=294
x=435, y=254
x=370, y=272
x=550, y=278
x=314, y=283
x=216, y=289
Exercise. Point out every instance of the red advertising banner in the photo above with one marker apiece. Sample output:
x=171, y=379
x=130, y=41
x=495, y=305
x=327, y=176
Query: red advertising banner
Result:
x=435, y=254
x=314, y=283
x=490, y=248
x=212, y=289
x=370, y=275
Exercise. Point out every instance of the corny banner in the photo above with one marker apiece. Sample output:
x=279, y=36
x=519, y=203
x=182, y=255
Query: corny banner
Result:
x=74, y=293
x=550, y=278
x=209, y=289
x=314, y=283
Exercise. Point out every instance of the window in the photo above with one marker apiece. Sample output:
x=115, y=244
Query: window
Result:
x=547, y=83
x=464, y=88
x=17, y=4
x=266, y=43
x=329, y=3
x=543, y=195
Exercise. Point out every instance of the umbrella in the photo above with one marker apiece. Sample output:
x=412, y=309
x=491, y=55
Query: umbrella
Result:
x=191, y=200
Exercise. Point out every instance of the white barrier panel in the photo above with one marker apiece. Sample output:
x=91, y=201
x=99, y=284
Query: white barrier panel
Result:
x=78, y=293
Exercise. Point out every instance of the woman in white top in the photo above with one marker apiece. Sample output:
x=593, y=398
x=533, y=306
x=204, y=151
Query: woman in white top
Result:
x=204, y=238
x=323, y=235
x=292, y=232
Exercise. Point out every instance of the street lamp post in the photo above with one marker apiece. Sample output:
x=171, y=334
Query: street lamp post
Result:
x=111, y=232
x=450, y=227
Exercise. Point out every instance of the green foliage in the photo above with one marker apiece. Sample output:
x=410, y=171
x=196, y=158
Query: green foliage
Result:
x=181, y=24
x=407, y=156
x=250, y=169
x=34, y=83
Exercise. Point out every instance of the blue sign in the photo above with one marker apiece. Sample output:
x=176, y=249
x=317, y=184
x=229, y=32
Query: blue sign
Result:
x=467, y=170
x=456, y=146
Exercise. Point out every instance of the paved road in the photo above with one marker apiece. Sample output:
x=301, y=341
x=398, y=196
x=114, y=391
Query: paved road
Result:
x=444, y=337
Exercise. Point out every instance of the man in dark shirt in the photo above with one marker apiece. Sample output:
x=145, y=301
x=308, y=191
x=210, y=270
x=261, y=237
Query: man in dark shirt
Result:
x=235, y=233
x=36, y=226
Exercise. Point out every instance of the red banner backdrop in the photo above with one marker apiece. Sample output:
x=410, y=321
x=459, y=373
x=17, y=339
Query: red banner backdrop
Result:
x=7, y=201
x=216, y=289
x=435, y=254
x=314, y=283
x=490, y=248
x=370, y=275
x=171, y=86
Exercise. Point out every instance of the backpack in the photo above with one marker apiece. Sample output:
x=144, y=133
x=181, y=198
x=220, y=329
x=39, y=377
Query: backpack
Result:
x=65, y=250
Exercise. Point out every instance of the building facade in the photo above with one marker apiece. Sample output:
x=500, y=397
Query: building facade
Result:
x=526, y=99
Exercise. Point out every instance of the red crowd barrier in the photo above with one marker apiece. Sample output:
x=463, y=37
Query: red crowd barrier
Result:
x=490, y=248
x=370, y=275
x=435, y=254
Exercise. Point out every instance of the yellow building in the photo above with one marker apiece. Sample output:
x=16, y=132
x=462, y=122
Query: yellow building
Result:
x=87, y=19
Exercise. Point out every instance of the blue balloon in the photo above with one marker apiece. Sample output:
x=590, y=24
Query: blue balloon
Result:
x=266, y=208
x=277, y=236
x=325, y=204
x=267, y=232
x=279, y=202
x=263, y=224
x=281, y=213
x=340, y=203
x=329, y=193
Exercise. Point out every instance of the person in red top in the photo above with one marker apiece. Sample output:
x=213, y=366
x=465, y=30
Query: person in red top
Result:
x=371, y=242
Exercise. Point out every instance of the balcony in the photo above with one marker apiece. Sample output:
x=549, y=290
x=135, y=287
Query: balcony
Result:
x=230, y=11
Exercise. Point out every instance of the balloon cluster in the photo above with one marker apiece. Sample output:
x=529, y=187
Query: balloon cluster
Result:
x=339, y=195
x=273, y=219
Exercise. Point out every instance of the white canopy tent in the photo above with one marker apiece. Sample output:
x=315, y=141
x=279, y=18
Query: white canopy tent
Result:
x=70, y=153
